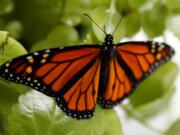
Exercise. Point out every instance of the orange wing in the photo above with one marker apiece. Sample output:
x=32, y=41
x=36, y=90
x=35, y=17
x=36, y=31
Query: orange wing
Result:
x=118, y=86
x=142, y=58
x=71, y=75
x=132, y=63
x=80, y=99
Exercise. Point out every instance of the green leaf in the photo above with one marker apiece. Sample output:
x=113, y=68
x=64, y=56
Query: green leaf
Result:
x=154, y=107
x=38, y=114
x=9, y=95
x=2, y=23
x=155, y=86
x=6, y=6
x=91, y=39
x=77, y=6
x=174, y=129
x=156, y=91
x=71, y=19
x=135, y=4
x=40, y=45
x=173, y=25
x=38, y=17
x=153, y=20
x=9, y=92
x=132, y=23
x=98, y=3
x=173, y=6
x=108, y=18
x=62, y=35
x=14, y=28
x=73, y=11
x=123, y=5
x=10, y=48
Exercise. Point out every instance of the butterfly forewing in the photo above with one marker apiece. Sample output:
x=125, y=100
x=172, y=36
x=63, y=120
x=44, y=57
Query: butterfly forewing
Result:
x=71, y=75
x=142, y=58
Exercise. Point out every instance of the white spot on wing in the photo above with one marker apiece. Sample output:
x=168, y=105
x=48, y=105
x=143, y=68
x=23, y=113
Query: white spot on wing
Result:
x=46, y=51
x=36, y=53
x=29, y=57
x=7, y=64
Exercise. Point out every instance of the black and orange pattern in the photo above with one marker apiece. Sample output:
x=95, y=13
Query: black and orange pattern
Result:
x=79, y=77
x=143, y=57
x=131, y=64
x=118, y=86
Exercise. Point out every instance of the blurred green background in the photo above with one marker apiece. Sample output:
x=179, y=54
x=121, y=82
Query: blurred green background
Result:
x=33, y=25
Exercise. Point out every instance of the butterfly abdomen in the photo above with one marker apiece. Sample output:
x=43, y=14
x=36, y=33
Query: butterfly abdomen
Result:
x=108, y=53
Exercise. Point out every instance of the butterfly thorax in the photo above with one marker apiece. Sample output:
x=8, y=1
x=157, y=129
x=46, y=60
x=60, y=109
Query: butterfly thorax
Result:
x=108, y=47
x=108, y=40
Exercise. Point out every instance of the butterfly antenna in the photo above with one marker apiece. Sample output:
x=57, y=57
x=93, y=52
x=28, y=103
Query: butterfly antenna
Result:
x=104, y=28
x=120, y=20
x=95, y=23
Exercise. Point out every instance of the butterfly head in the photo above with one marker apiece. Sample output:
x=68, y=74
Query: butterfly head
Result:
x=108, y=39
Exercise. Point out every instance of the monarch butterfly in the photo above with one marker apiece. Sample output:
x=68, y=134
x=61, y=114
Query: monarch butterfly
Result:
x=79, y=77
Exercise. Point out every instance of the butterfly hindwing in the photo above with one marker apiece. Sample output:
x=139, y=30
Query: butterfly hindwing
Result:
x=71, y=75
x=118, y=85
